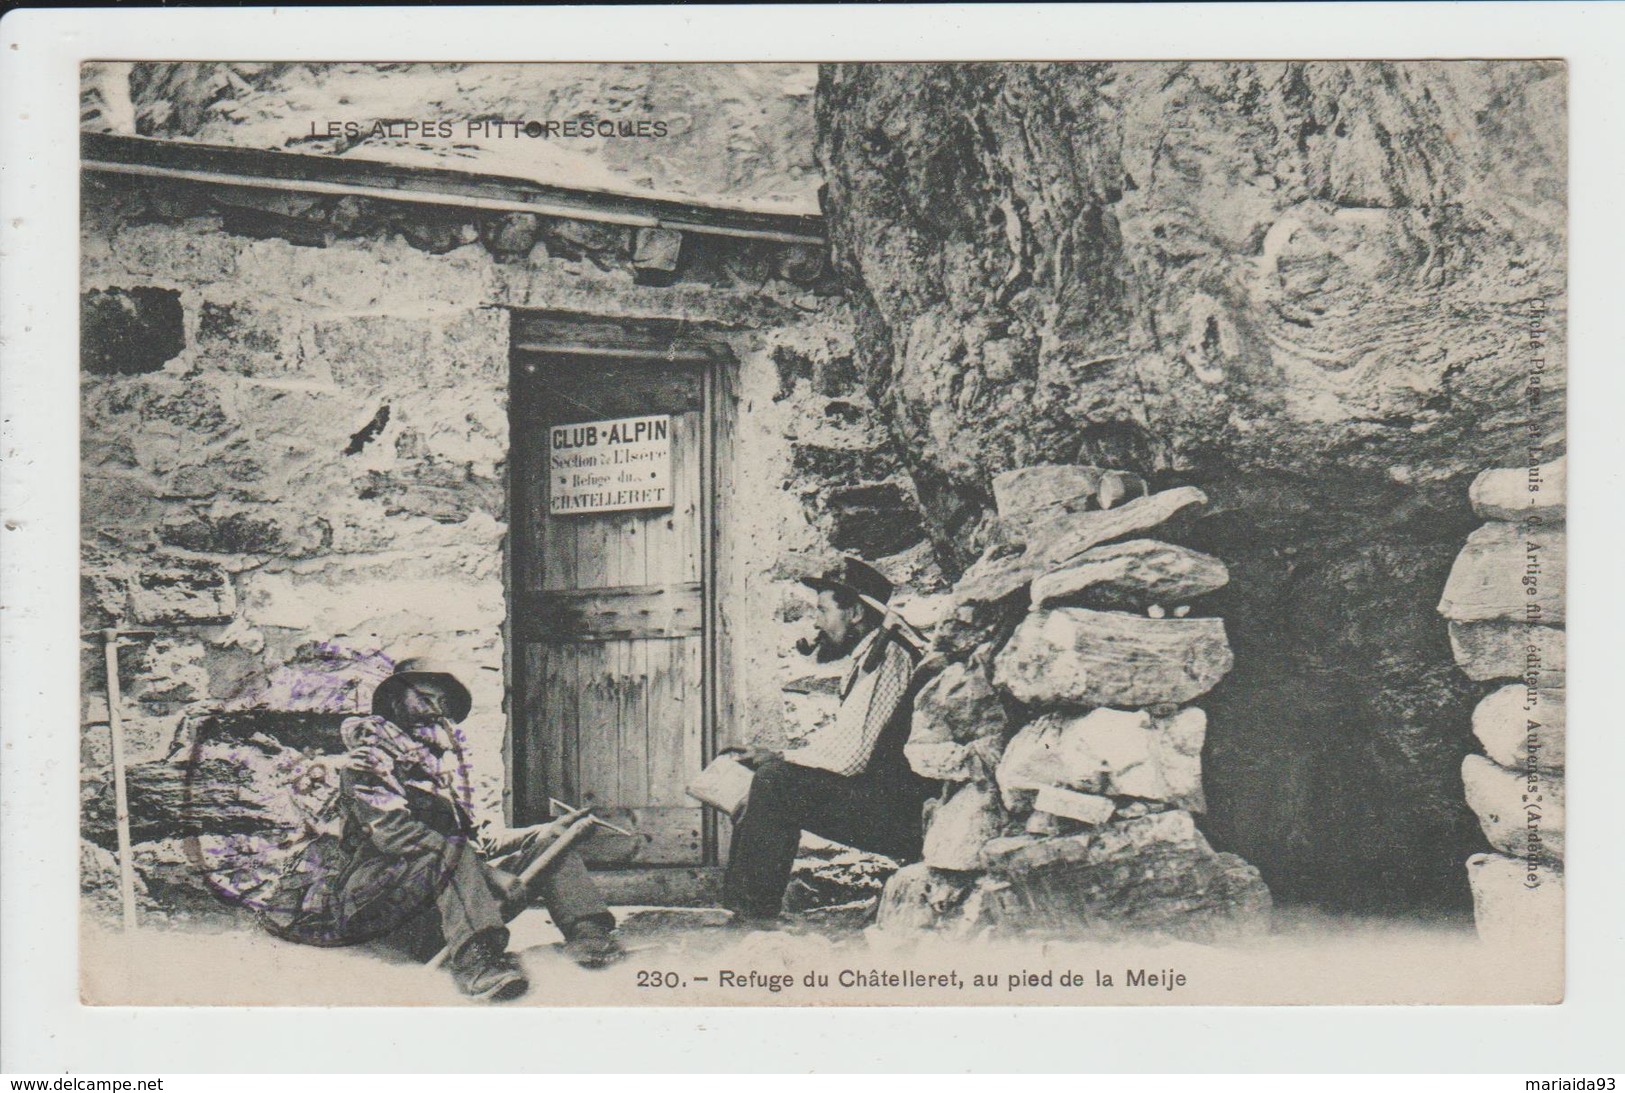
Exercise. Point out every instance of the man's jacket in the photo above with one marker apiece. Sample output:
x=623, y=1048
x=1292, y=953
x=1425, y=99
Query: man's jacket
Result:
x=404, y=817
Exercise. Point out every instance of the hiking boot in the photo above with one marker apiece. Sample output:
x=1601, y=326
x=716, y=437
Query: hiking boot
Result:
x=592, y=944
x=486, y=973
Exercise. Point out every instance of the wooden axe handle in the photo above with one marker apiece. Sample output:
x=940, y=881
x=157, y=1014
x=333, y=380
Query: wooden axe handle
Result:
x=569, y=837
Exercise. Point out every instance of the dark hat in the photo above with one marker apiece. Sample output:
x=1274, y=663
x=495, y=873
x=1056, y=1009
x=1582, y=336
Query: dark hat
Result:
x=418, y=668
x=854, y=576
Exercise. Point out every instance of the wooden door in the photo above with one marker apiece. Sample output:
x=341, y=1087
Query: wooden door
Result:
x=609, y=612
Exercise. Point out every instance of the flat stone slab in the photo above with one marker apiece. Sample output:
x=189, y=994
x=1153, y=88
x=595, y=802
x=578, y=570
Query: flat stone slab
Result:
x=1109, y=753
x=1515, y=819
x=947, y=761
x=958, y=828
x=1028, y=490
x=1156, y=874
x=1025, y=552
x=1515, y=906
x=182, y=592
x=1088, y=808
x=1131, y=574
x=1164, y=831
x=958, y=717
x=1518, y=733
x=1046, y=489
x=1074, y=656
x=1515, y=493
x=1509, y=650
x=1489, y=579
x=918, y=897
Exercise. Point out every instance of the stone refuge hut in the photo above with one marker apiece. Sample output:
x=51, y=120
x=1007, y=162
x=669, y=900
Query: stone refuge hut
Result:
x=317, y=397
x=320, y=392
x=315, y=402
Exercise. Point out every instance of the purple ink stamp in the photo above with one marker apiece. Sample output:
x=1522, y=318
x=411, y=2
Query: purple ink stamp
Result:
x=331, y=826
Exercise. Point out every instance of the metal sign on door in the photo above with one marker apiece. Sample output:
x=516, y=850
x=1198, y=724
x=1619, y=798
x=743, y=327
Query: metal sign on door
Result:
x=610, y=466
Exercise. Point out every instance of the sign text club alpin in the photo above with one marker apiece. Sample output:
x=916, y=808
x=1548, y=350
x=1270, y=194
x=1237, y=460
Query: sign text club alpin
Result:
x=610, y=466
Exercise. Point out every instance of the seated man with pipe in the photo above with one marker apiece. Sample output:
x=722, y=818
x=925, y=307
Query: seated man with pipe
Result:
x=412, y=872
x=850, y=782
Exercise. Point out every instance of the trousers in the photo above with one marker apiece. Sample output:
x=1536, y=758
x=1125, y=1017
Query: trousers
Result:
x=876, y=811
x=471, y=897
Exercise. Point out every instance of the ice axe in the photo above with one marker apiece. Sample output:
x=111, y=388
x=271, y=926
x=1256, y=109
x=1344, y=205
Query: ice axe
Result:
x=559, y=808
x=571, y=829
x=897, y=628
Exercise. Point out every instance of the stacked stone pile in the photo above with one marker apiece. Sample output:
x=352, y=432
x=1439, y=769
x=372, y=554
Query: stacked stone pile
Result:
x=1061, y=726
x=1505, y=604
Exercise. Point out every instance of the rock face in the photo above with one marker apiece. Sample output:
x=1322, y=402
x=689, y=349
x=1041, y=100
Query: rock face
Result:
x=1247, y=278
x=1072, y=656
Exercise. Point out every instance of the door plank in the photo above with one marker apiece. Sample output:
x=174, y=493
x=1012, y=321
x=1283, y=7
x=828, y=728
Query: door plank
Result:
x=633, y=544
x=535, y=770
x=665, y=836
x=609, y=614
x=593, y=541
x=557, y=543
x=558, y=722
x=669, y=772
x=595, y=738
x=632, y=724
x=685, y=525
x=693, y=692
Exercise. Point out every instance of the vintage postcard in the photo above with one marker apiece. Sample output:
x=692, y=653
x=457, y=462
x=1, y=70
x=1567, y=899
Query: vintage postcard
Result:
x=818, y=535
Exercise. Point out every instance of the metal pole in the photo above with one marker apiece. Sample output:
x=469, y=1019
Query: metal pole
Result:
x=121, y=797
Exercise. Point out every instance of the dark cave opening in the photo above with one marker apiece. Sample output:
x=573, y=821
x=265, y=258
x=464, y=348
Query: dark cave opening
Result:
x=1335, y=744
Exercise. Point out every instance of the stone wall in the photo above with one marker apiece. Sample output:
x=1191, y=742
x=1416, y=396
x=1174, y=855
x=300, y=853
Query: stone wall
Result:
x=1505, y=604
x=294, y=447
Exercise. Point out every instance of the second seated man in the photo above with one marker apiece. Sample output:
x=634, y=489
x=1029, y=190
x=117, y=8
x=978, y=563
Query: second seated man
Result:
x=849, y=782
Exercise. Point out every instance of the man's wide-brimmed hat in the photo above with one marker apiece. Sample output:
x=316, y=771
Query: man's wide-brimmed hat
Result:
x=854, y=576
x=413, y=669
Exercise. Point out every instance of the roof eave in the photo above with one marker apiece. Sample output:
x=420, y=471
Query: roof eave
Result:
x=257, y=168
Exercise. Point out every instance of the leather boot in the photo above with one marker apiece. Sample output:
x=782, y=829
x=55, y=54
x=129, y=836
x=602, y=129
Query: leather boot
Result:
x=483, y=970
